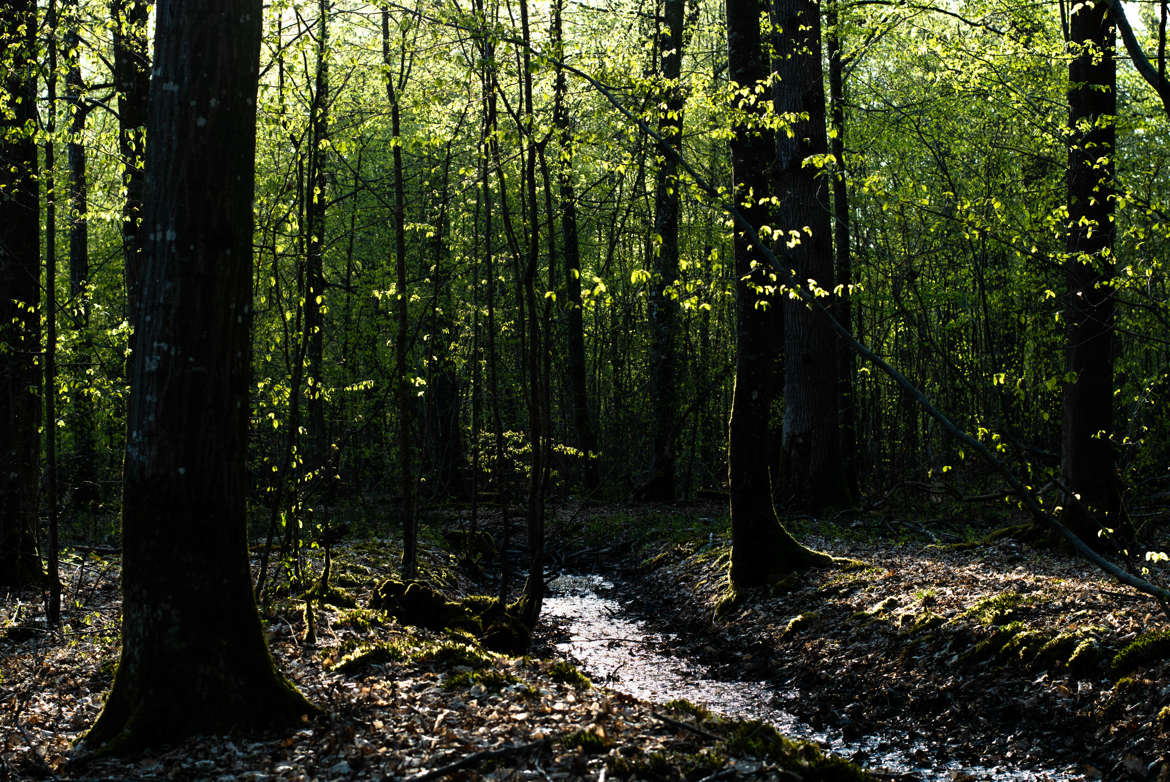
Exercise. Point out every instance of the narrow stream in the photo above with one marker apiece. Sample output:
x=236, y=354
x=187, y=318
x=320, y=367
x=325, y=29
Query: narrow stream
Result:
x=620, y=652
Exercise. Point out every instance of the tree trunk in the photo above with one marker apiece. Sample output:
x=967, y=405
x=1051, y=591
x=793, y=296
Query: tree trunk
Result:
x=20, y=404
x=842, y=251
x=132, y=84
x=84, y=490
x=49, y=388
x=811, y=448
x=402, y=300
x=663, y=308
x=583, y=428
x=315, y=255
x=1087, y=424
x=761, y=549
x=193, y=657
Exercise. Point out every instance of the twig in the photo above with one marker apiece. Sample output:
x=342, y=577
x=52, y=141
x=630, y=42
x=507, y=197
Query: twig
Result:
x=474, y=759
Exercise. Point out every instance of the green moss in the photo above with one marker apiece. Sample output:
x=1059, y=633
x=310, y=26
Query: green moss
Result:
x=362, y=619
x=882, y=607
x=587, y=741
x=761, y=740
x=329, y=594
x=798, y=623
x=1144, y=650
x=1162, y=721
x=998, y=609
x=490, y=680
x=452, y=654
x=992, y=645
x=567, y=673
x=665, y=766
x=1086, y=658
x=1024, y=646
x=372, y=654
x=680, y=706
x=922, y=622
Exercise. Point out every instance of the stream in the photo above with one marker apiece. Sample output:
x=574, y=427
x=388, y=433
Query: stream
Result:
x=620, y=652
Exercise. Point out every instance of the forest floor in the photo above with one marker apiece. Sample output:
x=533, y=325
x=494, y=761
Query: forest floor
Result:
x=995, y=650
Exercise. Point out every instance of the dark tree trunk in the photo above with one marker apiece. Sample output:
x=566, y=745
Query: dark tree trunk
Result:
x=811, y=448
x=533, y=597
x=49, y=388
x=583, y=428
x=193, y=657
x=1087, y=424
x=842, y=251
x=401, y=310
x=81, y=421
x=20, y=403
x=315, y=255
x=132, y=83
x=762, y=549
x=663, y=308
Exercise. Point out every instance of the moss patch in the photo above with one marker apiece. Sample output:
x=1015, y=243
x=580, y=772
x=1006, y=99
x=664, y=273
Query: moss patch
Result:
x=367, y=655
x=1143, y=651
x=998, y=609
x=567, y=673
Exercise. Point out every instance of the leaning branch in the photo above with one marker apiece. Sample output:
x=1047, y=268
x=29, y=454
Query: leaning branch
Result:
x=1140, y=61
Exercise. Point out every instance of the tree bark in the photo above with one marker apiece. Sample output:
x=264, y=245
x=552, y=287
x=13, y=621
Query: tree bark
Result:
x=132, y=84
x=583, y=427
x=193, y=657
x=842, y=251
x=811, y=448
x=84, y=490
x=1087, y=460
x=663, y=308
x=402, y=300
x=761, y=549
x=20, y=399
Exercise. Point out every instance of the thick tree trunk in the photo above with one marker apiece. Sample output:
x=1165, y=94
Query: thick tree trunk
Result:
x=193, y=656
x=1087, y=424
x=20, y=404
x=761, y=549
x=811, y=445
x=663, y=309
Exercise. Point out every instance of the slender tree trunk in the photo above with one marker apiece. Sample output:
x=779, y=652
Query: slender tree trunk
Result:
x=315, y=257
x=84, y=490
x=20, y=404
x=842, y=250
x=405, y=455
x=811, y=445
x=585, y=435
x=1087, y=459
x=762, y=549
x=193, y=657
x=533, y=596
x=663, y=307
x=132, y=84
x=49, y=431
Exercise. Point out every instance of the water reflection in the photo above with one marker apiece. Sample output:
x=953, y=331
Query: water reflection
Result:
x=621, y=653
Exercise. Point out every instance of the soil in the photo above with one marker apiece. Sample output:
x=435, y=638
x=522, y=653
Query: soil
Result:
x=949, y=645
x=897, y=644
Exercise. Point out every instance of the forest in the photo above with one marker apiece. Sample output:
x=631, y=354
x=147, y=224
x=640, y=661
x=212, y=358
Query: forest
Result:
x=633, y=389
